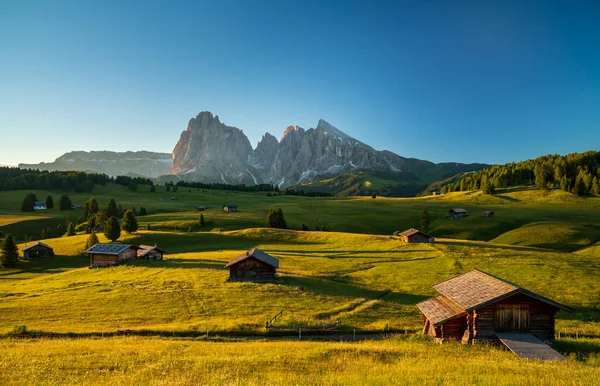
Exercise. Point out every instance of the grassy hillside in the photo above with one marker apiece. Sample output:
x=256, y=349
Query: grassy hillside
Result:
x=553, y=235
x=154, y=361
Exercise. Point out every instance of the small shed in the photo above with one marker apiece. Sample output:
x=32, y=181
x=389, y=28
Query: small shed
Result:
x=76, y=206
x=253, y=265
x=415, y=236
x=150, y=252
x=39, y=205
x=457, y=213
x=435, y=193
x=230, y=208
x=475, y=306
x=103, y=255
x=37, y=250
x=174, y=198
x=488, y=213
x=200, y=208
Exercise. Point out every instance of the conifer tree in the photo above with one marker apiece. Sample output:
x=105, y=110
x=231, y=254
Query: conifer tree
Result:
x=129, y=224
x=152, y=189
x=65, y=202
x=425, y=221
x=111, y=210
x=112, y=230
x=49, y=202
x=272, y=219
x=202, y=222
x=143, y=211
x=9, y=253
x=71, y=229
x=91, y=241
x=281, y=219
x=28, y=202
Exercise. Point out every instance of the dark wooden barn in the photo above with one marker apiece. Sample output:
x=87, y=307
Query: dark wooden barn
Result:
x=415, y=236
x=150, y=252
x=230, y=208
x=102, y=255
x=457, y=213
x=253, y=265
x=37, y=250
x=488, y=213
x=475, y=307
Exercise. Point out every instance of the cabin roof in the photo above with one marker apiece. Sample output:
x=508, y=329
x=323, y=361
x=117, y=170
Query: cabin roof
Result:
x=475, y=289
x=230, y=206
x=440, y=309
x=488, y=211
x=37, y=244
x=40, y=203
x=145, y=249
x=458, y=210
x=109, y=249
x=257, y=254
x=412, y=231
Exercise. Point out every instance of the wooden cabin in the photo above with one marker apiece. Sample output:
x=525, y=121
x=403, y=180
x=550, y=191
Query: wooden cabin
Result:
x=76, y=206
x=150, y=252
x=475, y=306
x=253, y=265
x=230, y=208
x=37, y=250
x=103, y=255
x=200, y=208
x=488, y=213
x=457, y=213
x=415, y=236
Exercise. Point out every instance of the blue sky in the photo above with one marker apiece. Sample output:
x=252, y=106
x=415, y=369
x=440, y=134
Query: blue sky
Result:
x=476, y=81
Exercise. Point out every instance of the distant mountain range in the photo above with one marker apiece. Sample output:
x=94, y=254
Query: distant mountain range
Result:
x=321, y=158
x=138, y=163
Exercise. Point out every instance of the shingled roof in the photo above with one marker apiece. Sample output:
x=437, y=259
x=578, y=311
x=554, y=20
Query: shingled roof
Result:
x=412, y=231
x=458, y=210
x=472, y=290
x=258, y=255
x=145, y=249
x=109, y=249
x=37, y=244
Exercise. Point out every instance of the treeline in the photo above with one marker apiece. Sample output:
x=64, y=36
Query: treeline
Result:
x=578, y=173
x=292, y=192
x=133, y=182
x=21, y=179
x=237, y=187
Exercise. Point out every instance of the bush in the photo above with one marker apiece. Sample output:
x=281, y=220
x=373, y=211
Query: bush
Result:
x=19, y=330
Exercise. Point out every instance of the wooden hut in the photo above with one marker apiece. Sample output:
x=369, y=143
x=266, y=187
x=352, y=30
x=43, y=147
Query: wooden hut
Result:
x=488, y=213
x=474, y=307
x=150, y=252
x=457, y=213
x=38, y=205
x=253, y=265
x=102, y=255
x=230, y=208
x=200, y=208
x=415, y=236
x=37, y=250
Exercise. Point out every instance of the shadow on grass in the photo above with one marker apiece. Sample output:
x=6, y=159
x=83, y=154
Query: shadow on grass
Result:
x=489, y=246
x=54, y=264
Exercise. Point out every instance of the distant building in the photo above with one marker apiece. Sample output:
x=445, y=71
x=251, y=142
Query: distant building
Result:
x=39, y=205
x=253, y=265
x=488, y=213
x=149, y=252
x=174, y=198
x=200, y=208
x=475, y=306
x=37, y=250
x=76, y=206
x=415, y=236
x=435, y=193
x=457, y=213
x=230, y=208
x=102, y=255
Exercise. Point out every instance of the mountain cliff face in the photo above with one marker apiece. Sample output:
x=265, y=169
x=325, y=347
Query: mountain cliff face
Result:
x=143, y=163
x=210, y=151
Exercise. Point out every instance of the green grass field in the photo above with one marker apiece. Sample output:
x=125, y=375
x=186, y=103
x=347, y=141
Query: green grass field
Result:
x=545, y=241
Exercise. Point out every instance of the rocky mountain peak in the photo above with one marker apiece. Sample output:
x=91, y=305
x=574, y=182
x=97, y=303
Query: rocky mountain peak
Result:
x=294, y=130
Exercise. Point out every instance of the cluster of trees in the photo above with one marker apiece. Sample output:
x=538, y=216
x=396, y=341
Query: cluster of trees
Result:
x=275, y=219
x=22, y=179
x=220, y=186
x=9, y=252
x=292, y=192
x=578, y=173
x=133, y=182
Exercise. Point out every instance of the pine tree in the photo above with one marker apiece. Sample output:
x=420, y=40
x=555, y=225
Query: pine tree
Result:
x=71, y=229
x=49, y=202
x=129, y=224
x=65, y=202
x=101, y=218
x=9, y=253
x=111, y=210
x=93, y=206
x=596, y=186
x=272, y=219
x=112, y=230
x=28, y=202
x=202, y=222
x=152, y=189
x=425, y=221
x=281, y=219
x=167, y=187
x=91, y=241
x=143, y=211
x=120, y=211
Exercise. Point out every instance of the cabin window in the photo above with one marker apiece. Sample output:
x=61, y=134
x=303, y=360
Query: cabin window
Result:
x=512, y=318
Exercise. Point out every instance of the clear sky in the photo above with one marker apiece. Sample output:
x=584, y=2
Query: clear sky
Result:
x=474, y=81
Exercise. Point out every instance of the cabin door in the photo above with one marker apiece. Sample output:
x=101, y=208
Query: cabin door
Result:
x=512, y=318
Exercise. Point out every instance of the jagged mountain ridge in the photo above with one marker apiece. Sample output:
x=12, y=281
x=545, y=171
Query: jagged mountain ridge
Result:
x=143, y=163
x=211, y=151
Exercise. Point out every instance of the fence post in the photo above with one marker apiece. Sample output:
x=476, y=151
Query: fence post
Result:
x=300, y=333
